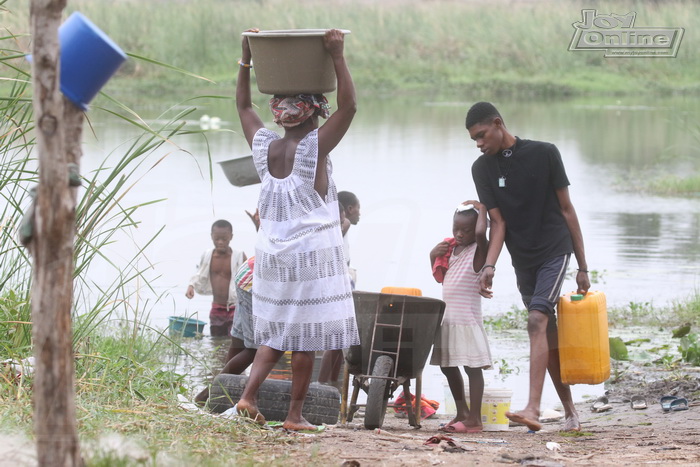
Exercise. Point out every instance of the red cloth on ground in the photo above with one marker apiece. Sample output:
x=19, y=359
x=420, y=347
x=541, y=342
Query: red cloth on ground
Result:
x=427, y=407
x=442, y=262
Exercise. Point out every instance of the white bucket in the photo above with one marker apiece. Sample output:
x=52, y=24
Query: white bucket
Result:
x=494, y=405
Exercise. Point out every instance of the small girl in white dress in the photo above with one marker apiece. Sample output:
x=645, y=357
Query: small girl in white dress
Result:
x=461, y=339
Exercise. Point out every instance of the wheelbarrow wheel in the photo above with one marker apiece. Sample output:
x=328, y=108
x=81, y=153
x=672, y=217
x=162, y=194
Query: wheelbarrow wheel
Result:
x=378, y=394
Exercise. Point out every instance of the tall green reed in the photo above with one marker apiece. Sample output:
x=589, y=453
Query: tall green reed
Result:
x=115, y=346
x=17, y=173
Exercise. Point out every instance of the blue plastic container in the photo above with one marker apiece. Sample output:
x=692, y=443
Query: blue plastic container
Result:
x=88, y=59
x=185, y=327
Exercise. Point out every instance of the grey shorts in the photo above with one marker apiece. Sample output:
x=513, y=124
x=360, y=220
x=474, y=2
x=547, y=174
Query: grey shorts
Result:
x=540, y=286
x=243, y=319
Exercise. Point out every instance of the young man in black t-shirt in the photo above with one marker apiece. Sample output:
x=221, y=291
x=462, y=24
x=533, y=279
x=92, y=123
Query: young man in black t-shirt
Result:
x=525, y=189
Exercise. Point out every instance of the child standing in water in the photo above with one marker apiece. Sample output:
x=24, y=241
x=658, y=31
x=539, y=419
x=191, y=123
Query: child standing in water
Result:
x=461, y=340
x=214, y=272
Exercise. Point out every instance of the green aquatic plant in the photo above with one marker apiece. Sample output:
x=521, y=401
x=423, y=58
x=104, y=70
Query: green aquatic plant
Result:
x=618, y=349
x=596, y=276
x=668, y=362
x=505, y=369
x=516, y=318
x=690, y=349
x=618, y=372
x=635, y=314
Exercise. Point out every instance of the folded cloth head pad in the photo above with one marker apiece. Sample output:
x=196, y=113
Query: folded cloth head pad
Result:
x=291, y=111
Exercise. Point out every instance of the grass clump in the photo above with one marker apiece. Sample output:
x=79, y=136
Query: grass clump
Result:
x=679, y=312
x=128, y=411
x=686, y=311
x=674, y=185
x=634, y=314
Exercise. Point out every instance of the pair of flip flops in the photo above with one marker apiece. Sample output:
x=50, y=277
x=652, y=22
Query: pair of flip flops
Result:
x=673, y=403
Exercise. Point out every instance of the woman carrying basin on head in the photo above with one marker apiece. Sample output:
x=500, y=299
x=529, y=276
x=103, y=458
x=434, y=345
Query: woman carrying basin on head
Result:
x=302, y=299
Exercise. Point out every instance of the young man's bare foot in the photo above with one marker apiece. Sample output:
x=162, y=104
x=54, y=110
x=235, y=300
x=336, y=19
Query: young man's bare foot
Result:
x=201, y=398
x=246, y=409
x=571, y=423
x=530, y=420
x=302, y=425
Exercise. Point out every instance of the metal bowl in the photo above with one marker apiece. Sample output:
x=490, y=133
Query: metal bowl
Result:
x=240, y=171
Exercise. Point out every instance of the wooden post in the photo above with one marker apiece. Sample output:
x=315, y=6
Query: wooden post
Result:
x=51, y=247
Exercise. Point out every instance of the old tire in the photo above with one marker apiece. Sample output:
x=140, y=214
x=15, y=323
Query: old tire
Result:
x=322, y=404
x=378, y=394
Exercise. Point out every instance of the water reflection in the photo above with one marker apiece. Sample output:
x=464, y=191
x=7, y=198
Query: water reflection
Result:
x=668, y=237
x=639, y=233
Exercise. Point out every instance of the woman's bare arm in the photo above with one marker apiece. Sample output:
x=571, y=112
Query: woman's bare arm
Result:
x=250, y=121
x=331, y=132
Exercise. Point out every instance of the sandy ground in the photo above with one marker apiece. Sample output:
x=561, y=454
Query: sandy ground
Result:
x=620, y=436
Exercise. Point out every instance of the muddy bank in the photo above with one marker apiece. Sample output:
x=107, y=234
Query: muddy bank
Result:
x=619, y=436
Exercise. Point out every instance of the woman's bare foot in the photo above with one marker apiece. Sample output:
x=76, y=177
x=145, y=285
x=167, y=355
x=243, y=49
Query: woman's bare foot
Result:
x=459, y=417
x=446, y=426
x=462, y=427
x=571, y=423
x=247, y=409
x=529, y=419
x=474, y=422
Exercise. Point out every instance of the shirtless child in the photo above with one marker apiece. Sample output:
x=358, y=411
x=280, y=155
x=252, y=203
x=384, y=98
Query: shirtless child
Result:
x=216, y=267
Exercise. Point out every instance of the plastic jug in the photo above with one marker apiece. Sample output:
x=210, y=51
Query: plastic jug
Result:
x=584, y=348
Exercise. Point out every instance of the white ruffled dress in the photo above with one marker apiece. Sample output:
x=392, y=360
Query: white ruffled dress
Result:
x=461, y=339
x=302, y=299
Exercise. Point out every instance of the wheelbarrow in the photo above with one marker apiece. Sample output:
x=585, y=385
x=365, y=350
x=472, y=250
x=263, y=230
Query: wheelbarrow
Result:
x=396, y=335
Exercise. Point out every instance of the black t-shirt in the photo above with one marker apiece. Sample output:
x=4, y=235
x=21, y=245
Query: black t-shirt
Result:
x=535, y=227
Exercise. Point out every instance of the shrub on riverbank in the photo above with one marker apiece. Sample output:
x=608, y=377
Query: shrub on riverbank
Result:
x=685, y=310
x=499, y=48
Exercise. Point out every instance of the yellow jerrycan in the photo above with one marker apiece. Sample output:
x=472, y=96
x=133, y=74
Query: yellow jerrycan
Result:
x=584, y=348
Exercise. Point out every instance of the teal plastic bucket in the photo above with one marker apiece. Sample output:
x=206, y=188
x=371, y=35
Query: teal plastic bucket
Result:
x=88, y=59
x=185, y=327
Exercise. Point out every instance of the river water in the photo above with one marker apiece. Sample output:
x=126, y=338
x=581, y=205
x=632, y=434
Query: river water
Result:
x=408, y=160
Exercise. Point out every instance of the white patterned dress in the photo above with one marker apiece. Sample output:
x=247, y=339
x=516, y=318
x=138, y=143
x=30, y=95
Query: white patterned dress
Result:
x=461, y=339
x=302, y=298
